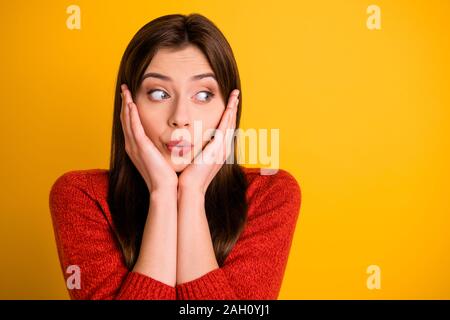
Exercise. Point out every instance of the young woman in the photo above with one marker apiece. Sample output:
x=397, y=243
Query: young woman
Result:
x=162, y=222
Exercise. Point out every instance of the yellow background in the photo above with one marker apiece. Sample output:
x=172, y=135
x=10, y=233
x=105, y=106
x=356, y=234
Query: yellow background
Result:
x=363, y=118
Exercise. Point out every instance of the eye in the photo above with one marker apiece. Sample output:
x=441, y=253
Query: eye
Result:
x=204, y=96
x=158, y=94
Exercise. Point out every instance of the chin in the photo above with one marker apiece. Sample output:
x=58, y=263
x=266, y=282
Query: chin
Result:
x=180, y=165
x=178, y=168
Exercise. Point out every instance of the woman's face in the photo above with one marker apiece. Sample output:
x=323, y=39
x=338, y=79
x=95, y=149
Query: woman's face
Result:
x=178, y=88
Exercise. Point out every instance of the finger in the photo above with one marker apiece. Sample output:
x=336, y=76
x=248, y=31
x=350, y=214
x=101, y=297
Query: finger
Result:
x=213, y=148
x=233, y=127
x=126, y=94
x=229, y=136
x=233, y=121
x=137, y=129
x=234, y=95
x=232, y=117
x=125, y=114
x=226, y=117
x=138, y=136
x=123, y=103
x=229, y=110
x=228, y=131
x=220, y=133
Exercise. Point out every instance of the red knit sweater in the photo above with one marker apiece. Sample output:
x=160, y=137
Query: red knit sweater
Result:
x=254, y=268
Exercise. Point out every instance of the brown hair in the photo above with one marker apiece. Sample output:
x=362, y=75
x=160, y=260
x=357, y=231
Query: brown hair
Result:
x=128, y=195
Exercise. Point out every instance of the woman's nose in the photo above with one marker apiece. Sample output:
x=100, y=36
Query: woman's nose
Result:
x=179, y=117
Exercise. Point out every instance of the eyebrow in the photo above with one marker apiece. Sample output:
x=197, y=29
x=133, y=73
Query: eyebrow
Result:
x=166, y=78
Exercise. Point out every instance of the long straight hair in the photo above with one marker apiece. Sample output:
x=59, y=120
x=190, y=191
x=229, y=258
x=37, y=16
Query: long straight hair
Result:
x=128, y=195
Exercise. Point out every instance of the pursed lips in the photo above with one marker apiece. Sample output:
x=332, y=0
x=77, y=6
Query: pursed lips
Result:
x=181, y=146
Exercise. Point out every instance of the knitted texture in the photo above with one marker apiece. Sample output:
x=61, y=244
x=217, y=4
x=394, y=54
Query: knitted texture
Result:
x=254, y=269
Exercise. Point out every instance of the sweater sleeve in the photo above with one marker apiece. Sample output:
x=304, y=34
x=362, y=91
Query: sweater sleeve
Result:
x=86, y=244
x=255, y=267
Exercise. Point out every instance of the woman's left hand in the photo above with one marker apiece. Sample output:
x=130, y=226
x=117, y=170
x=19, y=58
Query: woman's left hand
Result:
x=199, y=174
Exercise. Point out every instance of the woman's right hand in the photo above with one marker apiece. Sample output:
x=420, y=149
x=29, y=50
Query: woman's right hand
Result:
x=156, y=171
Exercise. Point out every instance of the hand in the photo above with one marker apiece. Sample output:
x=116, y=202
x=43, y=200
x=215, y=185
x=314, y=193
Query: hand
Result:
x=199, y=174
x=156, y=171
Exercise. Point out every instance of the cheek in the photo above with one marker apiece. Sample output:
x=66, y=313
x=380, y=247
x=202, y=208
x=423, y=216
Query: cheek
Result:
x=152, y=123
x=210, y=122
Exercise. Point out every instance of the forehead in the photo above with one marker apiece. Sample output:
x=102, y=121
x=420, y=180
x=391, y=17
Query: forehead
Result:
x=179, y=64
